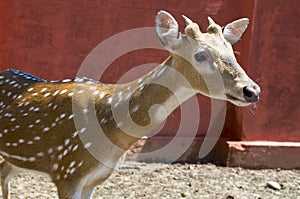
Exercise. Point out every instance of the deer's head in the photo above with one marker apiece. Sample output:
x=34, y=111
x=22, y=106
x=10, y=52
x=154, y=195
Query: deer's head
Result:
x=205, y=59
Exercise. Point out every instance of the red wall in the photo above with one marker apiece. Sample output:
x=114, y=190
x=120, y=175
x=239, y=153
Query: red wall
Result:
x=51, y=39
x=274, y=60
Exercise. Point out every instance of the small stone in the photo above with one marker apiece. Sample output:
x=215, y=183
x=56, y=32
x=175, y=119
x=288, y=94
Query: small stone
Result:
x=273, y=185
x=230, y=197
x=184, y=194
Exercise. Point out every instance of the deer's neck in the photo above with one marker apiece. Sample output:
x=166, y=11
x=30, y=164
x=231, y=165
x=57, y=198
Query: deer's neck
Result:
x=152, y=98
x=158, y=94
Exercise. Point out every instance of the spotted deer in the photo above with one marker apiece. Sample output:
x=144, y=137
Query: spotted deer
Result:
x=76, y=130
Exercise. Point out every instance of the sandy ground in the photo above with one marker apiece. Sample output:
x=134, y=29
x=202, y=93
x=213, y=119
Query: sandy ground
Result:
x=140, y=180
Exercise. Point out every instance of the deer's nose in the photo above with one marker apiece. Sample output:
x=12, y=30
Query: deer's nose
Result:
x=251, y=93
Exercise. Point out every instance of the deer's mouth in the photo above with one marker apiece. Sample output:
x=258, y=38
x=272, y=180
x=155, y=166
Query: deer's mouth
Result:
x=237, y=101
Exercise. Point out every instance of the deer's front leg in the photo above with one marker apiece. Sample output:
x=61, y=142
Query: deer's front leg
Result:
x=7, y=172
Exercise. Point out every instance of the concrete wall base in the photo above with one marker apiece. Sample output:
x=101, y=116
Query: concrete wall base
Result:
x=258, y=155
x=153, y=150
x=246, y=154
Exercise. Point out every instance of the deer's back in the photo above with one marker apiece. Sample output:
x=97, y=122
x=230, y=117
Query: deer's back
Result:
x=37, y=129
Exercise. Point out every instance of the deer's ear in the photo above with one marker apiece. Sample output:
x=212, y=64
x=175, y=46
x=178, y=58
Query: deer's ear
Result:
x=234, y=30
x=167, y=30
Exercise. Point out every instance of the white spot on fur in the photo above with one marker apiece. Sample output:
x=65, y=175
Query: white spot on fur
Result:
x=82, y=130
x=87, y=145
x=109, y=100
x=47, y=94
x=67, y=141
x=63, y=91
x=102, y=95
x=55, y=166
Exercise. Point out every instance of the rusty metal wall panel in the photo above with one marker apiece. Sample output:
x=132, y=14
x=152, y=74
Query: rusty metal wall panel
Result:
x=274, y=58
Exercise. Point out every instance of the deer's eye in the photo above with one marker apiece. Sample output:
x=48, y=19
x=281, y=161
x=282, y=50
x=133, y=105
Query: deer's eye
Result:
x=201, y=56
